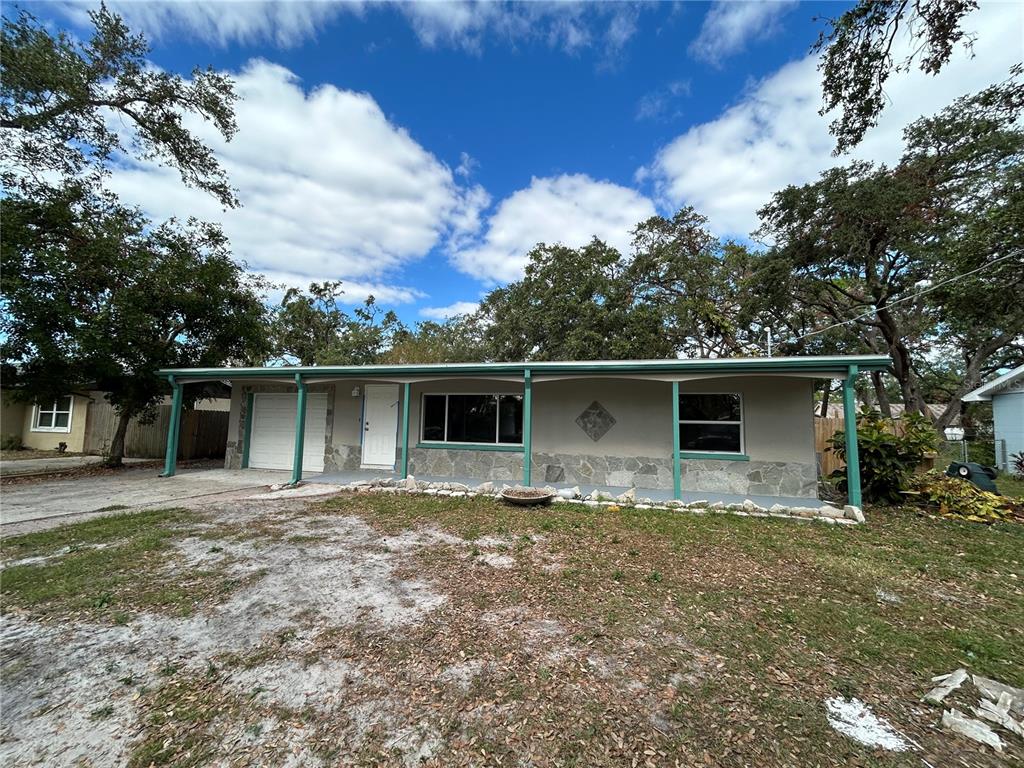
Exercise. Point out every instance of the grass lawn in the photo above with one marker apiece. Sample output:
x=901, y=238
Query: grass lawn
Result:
x=554, y=636
x=1009, y=485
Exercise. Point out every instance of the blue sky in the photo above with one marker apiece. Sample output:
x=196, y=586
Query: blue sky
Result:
x=417, y=151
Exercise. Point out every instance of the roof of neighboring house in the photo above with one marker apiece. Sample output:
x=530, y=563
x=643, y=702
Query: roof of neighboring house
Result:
x=831, y=366
x=994, y=387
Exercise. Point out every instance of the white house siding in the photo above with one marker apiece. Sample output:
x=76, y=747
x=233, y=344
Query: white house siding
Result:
x=1008, y=418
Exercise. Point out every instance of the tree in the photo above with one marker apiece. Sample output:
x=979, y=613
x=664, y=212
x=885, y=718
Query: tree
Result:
x=860, y=52
x=93, y=295
x=925, y=258
x=311, y=328
x=65, y=104
x=459, y=339
x=573, y=304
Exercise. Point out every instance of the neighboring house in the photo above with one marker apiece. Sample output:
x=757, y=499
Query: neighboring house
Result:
x=1007, y=396
x=66, y=419
x=735, y=426
x=44, y=426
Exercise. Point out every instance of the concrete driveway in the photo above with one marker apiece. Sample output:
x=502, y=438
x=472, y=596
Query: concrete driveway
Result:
x=43, y=466
x=60, y=500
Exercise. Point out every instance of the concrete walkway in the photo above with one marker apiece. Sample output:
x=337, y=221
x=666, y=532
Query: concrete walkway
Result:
x=72, y=498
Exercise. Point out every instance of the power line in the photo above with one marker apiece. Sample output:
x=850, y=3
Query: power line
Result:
x=920, y=293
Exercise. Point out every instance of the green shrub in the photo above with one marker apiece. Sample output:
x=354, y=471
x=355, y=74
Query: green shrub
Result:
x=1018, y=464
x=887, y=460
x=10, y=443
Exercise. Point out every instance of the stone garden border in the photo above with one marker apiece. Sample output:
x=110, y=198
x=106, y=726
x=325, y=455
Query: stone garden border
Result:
x=848, y=515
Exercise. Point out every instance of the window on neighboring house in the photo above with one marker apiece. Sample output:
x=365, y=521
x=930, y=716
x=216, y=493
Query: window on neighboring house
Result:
x=494, y=419
x=53, y=416
x=711, y=423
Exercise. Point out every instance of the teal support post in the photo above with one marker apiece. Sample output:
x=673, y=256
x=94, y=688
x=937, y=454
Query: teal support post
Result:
x=405, y=429
x=247, y=437
x=850, y=428
x=677, y=472
x=300, y=428
x=527, y=426
x=173, y=430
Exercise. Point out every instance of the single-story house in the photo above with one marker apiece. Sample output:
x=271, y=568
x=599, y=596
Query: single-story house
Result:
x=741, y=426
x=1006, y=394
x=68, y=419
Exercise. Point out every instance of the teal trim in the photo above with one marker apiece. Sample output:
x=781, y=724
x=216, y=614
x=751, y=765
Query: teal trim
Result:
x=300, y=428
x=527, y=426
x=173, y=430
x=405, y=429
x=473, y=447
x=247, y=436
x=850, y=428
x=677, y=473
x=830, y=365
x=714, y=456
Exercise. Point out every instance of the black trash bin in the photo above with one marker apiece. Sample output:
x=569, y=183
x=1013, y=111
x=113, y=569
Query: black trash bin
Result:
x=982, y=476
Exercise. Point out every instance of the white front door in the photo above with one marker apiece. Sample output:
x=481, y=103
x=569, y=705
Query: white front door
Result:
x=380, y=425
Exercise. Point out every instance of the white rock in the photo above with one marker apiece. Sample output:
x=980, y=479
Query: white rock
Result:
x=568, y=493
x=409, y=483
x=444, y=492
x=999, y=713
x=830, y=511
x=458, y=493
x=487, y=487
x=994, y=690
x=778, y=509
x=590, y=503
x=643, y=506
x=854, y=513
x=602, y=496
x=629, y=497
x=976, y=730
x=946, y=685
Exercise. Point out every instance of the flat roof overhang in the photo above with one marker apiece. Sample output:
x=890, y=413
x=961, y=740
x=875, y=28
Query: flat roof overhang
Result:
x=825, y=367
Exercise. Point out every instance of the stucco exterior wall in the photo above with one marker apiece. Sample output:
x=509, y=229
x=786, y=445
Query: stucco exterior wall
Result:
x=635, y=450
x=48, y=441
x=1008, y=419
x=12, y=418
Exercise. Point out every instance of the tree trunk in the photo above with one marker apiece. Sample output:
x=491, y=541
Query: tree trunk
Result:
x=901, y=364
x=824, y=397
x=881, y=396
x=116, y=455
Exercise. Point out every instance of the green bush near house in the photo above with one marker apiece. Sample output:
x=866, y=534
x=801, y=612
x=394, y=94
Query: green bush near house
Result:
x=10, y=443
x=887, y=460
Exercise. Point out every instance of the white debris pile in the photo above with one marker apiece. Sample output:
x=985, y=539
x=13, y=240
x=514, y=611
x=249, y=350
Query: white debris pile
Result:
x=854, y=719
x=1000, y=704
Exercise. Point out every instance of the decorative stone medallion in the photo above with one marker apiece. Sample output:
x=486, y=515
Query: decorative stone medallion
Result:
x=595, y=421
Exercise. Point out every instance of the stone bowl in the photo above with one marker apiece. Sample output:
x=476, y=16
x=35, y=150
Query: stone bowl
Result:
x=526, y=497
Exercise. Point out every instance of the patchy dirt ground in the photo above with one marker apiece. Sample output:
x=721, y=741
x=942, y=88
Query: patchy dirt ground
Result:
x=407, y=631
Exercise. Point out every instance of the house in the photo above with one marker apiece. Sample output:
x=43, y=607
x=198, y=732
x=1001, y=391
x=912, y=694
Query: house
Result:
x=83, y=420
x=739, y=426
x=1006, y=394
x=44, y=426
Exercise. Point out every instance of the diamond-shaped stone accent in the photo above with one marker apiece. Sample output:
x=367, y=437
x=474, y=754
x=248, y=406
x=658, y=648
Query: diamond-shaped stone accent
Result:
x=595, y=421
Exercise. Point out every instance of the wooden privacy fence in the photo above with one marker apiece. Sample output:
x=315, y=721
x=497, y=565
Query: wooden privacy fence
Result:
x=204, y=434
x=825, y=427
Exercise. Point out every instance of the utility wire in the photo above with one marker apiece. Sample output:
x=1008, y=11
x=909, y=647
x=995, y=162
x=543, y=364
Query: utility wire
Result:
x=920, y=293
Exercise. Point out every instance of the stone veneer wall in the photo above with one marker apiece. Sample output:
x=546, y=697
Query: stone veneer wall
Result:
x=587, y=469
x=497, y=466
x=754, y=478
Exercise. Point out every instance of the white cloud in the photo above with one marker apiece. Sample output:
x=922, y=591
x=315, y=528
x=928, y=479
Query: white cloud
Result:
x=330, y=189
x=284, y=23
x=465, y=24
x=661, y=103
x=452, y=310
x=730, y=24
x=728, y=168
x=568, y=209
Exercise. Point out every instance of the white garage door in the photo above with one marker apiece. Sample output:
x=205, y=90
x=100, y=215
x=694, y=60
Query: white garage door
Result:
x=273, y=432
